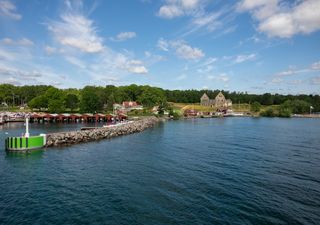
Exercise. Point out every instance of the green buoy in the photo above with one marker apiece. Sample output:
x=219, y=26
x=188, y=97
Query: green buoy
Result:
x=25, y=142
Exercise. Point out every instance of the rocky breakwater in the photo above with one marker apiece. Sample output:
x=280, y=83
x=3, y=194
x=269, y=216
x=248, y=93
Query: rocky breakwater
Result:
x=74, y=137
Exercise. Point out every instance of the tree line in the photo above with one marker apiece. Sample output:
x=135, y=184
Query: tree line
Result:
x=97, y=99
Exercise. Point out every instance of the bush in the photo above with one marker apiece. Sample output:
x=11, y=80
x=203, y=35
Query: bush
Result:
x=255, y=107
x=268, y=113
x=175, y=115
x=284, y=111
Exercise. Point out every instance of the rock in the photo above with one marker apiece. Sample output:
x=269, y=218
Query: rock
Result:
x=73, y=137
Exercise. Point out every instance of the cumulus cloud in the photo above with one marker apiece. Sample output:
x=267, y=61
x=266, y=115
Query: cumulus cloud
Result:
x=8, y=9
x=276, y=20
x=124, y=36
x=181, y=48
x=176, y=8
x=186, y=51
x=137, y=69
x=135, y=66
x=77, y=31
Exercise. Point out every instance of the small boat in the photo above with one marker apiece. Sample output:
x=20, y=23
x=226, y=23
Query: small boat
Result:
x=26, y=142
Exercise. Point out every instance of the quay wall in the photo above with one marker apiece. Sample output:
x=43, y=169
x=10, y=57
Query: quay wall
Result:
x=75, y=137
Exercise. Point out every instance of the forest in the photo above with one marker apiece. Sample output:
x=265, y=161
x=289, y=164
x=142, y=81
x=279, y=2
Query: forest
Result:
x=98, y=99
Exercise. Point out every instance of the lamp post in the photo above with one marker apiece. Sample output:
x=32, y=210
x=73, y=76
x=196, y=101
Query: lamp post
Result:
x=311, y=107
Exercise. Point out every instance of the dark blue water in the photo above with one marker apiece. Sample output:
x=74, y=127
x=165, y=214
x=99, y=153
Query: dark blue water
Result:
x=204, y=171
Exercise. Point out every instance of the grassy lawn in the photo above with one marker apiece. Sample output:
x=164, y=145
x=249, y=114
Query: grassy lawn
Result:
x=235, y=107
x=196, y=106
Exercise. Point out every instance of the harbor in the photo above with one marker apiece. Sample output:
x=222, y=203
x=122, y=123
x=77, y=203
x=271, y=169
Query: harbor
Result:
x=26, y=142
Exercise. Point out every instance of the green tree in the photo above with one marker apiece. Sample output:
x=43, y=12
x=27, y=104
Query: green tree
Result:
x=38, y=102
x=111, y=100
x=267, y=99
x=300, y=106
x=56, y=106
x=151, y=96
x=90, y=101
x=285, y=110
x=56, y=100
x=72, y=101
x=255, y=107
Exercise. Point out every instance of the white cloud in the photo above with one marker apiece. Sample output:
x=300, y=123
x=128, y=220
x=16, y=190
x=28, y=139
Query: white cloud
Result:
x=276, y=80
x=315, y=80
x=221, y=77
x=287, y=73
x=22, y=42
x=124, y=36
x=4, y=70
x=8, y=9
x=210, y=21
x=316, y=66
x=50, y=50
x=209, y=61
x=135, y=66
x=10, y=80
x=25, y=41
x=181, y=48
x=275, y=20
x=170, y=11
x=163, y=44
x=75, y=61
x=186, y=51
x=182, y=77
x=77, y=31
x=243, y=58
x=7, y=55
x=176, y=8
x=137, y=69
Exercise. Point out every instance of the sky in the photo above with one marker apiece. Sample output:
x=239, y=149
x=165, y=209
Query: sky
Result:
x=253, y=46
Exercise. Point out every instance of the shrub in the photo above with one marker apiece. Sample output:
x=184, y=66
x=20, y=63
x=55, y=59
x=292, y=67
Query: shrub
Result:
x=268, y=113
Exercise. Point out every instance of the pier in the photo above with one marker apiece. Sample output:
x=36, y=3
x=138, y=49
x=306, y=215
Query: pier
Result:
x=61, y=118
x=81, y=136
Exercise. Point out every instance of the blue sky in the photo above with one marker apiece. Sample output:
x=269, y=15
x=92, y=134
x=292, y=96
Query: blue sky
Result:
x=256, y=46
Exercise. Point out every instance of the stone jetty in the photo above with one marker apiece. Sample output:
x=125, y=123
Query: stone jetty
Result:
x=75, y=137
